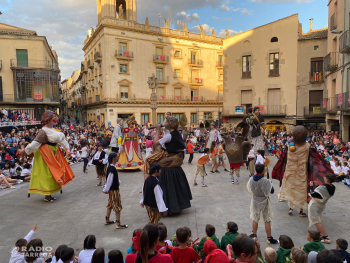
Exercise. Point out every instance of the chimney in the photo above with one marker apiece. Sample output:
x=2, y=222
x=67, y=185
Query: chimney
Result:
x=311, y=22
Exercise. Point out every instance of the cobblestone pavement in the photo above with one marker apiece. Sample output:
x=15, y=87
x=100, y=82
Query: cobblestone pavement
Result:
x=81, y=209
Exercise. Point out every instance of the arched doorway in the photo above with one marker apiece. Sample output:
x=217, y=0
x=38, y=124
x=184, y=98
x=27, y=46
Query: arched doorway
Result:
x=272, y=126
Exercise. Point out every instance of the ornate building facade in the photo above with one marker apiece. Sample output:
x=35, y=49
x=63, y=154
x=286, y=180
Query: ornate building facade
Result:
x=121, y=54
x=29, y=71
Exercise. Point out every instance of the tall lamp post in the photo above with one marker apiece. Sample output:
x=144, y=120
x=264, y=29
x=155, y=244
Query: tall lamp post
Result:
x=153, y=84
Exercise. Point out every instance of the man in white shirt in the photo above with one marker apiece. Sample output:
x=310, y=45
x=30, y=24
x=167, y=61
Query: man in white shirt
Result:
x=197, y=132
x=117, y=133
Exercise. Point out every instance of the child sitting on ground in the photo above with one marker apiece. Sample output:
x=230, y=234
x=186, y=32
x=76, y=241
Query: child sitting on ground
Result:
x=210, y=232
x=229, y=236
x=341, y=247
x=26, y=172
x=183, y=253
x=68, y=255
x=115, y=256
x=298, y=256
x=270, y=255
x=201, y=167
x=209, y=246
x=162, y=246
x=135, y=242
x=314, y=238
x=17, y=254
x=286, y=245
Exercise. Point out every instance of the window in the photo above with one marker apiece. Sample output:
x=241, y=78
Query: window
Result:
x=177, y=115
x=123, y=47
x=159, y=51
x=208, y=116
x=315, y=97
x=22, y=57
x=220, y=61
x=193, y=57
x=274, y=39
x=160, y=118
x=123, y=68
x=193, y=117
x=177, y=93
x=177, y=73
x=194, y=96
x=274, y=65
x=124, y=93
x=246, y=67
x=144, y=118
x=177, y=53
x=221, y=76
x=160, y=74
x=221, y=95
x=247, y=98
x=316, y=69
x=160, y=93
x=315, y=47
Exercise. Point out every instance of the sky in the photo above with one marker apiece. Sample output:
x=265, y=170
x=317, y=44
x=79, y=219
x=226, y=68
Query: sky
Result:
x=65, y=22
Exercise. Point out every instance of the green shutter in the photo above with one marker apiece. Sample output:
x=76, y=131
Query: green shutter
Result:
x=22, y=57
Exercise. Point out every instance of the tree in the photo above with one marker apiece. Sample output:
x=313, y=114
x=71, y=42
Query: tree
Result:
x=183, y=120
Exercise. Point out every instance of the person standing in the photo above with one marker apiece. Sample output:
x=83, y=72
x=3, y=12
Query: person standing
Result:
x=221, y=152
x=152, y=195
x=100, y=160
x=251, y=158
x=260, y=210
x=117, y=133
x=190, y=151
x=112, y=189
x=214, y=135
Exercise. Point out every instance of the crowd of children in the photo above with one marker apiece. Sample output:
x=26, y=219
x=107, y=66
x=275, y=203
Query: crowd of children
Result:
x=150, y=244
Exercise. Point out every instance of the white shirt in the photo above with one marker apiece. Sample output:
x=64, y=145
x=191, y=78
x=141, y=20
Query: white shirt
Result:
x=19, y=257
x=197, y=132
x=146, y=131
x=251, y=154
x=259, y=159
x=332, y=163
x=25, y=172
x=164, y=140
x=345, y=170
x=84, y=153
x=86, y=255
x=158, y=193
x=337, y=170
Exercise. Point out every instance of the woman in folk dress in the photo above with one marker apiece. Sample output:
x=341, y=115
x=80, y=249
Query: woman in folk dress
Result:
x=50, y=169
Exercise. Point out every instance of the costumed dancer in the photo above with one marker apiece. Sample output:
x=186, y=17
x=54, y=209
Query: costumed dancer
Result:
x=237, y=151
x=246, y=119
x=130, y=156
x=201, y=167
x=262, y=159
x=258, y=124
x=260, y=209
x=317, y=205
x=117, y=133
x=214, y=135
x=251, y=159
x=169, y=154
x=296, y=168
x=112, y=189
x=50, y=170
x=100, y=160
x=152, y=195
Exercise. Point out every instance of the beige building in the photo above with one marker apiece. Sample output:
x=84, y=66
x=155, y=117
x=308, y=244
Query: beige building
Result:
x=29, y=72
x=273, y=67
x=311, y=89
x=71, y=95
x=121, y=54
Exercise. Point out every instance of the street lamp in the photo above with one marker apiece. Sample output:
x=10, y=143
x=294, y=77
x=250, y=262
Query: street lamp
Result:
x=153, y=84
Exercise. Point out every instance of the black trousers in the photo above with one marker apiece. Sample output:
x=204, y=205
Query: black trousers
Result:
x=191, y=158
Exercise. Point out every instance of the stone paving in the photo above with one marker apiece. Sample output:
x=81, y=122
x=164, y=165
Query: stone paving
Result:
x=80, y=211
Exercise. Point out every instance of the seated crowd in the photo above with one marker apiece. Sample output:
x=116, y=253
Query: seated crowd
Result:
x=151, y=244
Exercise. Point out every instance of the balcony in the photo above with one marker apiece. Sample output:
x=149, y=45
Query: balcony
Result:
x=84, y=68
x=344, y=42
x=195, y=81
x=124, y=54
x=331, y=61
x=163, y=80
x=313, y=111
x=330, y=105
x=333, y=22
x=219, y=64
x=269, y=111
x=31, y=63
x=195, y=62
x=316, y=77
x=98, y=57
x=23, y=98
x=90, y=64
x=132, y=98
x=161, y=59
x=97, y=98
x=90, y=99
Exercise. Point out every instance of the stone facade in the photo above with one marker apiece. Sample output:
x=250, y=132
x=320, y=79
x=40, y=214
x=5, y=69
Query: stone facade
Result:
x=121, y=54
x=29, y=72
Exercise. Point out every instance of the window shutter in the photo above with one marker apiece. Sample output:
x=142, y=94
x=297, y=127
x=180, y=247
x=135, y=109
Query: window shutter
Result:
x=246, y=97
x=315, y=97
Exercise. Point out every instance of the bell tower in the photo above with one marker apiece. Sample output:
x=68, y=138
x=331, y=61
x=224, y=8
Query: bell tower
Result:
x=117, y=9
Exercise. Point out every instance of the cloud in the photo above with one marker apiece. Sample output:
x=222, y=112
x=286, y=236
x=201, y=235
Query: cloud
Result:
x=228, y=19
x=187, y=18
x=224, y=7
x=206, y=28
x=216, y=18
x=245, y=11
x=230, y=31
x=283, y=1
